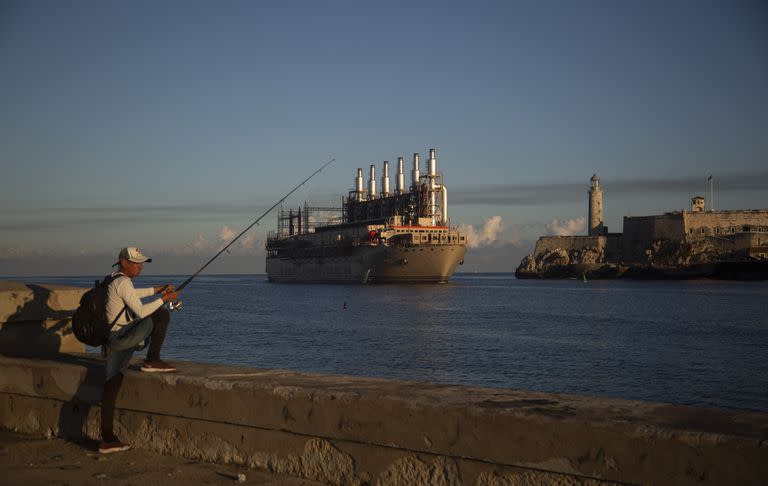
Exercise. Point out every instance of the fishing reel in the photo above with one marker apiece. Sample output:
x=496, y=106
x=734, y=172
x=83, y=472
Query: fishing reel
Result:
x=175, y=305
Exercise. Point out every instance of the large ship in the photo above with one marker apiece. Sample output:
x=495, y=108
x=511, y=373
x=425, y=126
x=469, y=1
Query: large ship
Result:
x=374, y=237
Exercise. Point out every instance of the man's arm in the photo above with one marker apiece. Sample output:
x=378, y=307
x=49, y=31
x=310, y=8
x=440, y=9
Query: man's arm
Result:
x=132, y=298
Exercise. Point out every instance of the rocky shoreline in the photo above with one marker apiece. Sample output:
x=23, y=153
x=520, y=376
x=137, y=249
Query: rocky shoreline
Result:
x=733, y=270
x=663, y=259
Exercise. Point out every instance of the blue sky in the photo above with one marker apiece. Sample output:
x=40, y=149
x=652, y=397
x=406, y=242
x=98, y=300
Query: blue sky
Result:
x=173, y=125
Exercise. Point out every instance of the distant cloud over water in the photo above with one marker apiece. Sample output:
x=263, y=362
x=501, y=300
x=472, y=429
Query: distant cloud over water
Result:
x=485, y=235
x=567, y=227
x=226, y=234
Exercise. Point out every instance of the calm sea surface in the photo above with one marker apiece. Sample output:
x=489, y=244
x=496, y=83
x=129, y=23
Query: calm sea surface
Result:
x=698, y=343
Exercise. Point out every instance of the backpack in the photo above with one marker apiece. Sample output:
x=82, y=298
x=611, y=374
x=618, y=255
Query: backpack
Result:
x=89, y=322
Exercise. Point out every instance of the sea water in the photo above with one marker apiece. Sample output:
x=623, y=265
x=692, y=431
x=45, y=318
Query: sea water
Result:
x=685, y=342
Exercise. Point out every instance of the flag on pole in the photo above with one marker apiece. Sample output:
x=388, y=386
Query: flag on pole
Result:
x=709, y=178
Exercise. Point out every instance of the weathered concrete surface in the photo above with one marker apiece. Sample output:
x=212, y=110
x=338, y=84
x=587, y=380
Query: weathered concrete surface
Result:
x=348, y=430
x=36, y=319
x=28, y=460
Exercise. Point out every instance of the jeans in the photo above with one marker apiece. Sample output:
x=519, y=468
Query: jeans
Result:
x=124, y=342
x=119, y=349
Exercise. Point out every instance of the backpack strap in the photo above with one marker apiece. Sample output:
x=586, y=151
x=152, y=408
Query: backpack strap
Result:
x=108, y=280
x=125, y=308
x=105, y=282
x=104, y=346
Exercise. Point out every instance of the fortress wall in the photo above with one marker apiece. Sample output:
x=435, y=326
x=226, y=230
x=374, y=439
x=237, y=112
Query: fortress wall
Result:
x=742, y=241
x=721, y=227
x=754, y=245
x=740, y=245
x=636, y=237
x=641, y=231
x=549, y=243
x=668, y=227
x=725, y=222
x=638, y=227
x=614, y=248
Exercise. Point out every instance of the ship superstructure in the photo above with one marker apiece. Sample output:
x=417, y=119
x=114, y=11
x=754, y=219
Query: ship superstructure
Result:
x=400, y=235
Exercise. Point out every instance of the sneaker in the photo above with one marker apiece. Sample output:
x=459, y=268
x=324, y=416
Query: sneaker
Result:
x=113, y=446
x=157, y=366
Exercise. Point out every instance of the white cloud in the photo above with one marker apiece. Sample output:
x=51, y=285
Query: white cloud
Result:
x=200, y=243
x=245, y=245
x=248, y=242
x=567, y=227
x=226, y=234
x=485, y=235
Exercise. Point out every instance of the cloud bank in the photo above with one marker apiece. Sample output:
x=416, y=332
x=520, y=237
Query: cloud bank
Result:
x=485, y=235
x=567, y=227
x=226, y=234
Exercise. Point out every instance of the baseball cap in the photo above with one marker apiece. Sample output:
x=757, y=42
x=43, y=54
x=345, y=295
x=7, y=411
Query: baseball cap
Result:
x=134, y=255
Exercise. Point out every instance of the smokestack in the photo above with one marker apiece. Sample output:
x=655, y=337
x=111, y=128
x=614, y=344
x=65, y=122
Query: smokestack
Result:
x=385, y=179
x=372, y=183
x=415, y=172
x=445, y=205
x=359, y=184
x=432, y=164
x=400, y=176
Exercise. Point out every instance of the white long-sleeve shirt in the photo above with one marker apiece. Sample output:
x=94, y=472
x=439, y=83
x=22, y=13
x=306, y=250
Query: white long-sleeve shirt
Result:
x=121, y=293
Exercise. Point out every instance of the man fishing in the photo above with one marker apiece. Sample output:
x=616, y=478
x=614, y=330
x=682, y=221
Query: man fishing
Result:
x=145, y=321
x=134, y=323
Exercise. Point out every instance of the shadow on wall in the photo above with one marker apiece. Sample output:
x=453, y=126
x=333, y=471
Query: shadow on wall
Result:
x=74, y=413
x=35, y=328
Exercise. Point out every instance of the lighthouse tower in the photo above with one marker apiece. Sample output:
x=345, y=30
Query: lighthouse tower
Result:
x=595, y=223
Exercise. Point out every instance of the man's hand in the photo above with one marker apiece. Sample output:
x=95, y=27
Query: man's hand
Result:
x=164, y=289
x=170, y=295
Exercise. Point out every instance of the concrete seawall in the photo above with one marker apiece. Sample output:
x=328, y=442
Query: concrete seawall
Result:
x=350, y=430
x=35, y=319
x=347, y=430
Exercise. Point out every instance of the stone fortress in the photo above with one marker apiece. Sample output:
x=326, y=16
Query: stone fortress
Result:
x=674, y=241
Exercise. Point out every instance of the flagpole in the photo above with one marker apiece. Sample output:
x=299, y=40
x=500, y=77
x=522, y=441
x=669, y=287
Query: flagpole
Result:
x=712, y=193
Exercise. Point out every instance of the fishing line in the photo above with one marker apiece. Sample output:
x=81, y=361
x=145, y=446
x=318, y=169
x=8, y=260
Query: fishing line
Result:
x=177, y=305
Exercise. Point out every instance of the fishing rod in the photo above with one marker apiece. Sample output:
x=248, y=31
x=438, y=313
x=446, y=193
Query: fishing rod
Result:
x=177, y=305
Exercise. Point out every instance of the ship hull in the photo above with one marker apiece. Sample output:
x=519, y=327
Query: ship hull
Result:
x=371, y=264
x=419, y=264
x=354, y=266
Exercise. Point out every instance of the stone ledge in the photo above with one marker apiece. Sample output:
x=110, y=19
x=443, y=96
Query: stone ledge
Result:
x=362, y=430
x=33, y=302
x=36, y=319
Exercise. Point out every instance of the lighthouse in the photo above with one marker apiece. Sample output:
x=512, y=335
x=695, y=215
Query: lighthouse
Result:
x=595, y=223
